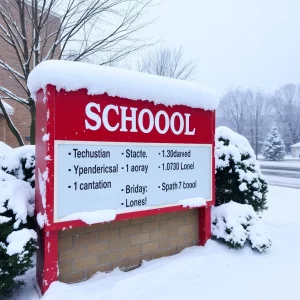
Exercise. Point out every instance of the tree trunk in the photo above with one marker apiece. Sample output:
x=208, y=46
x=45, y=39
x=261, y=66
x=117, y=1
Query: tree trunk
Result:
x=252, y=137
x=256, y=146
x=256, y=138
x=11, y=126
x=32, y=125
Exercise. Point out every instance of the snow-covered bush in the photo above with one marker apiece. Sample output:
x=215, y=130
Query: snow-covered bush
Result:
x=238, y=175
x=273, y=147
x=17, y=237
x=235, y=223
x=19, y=162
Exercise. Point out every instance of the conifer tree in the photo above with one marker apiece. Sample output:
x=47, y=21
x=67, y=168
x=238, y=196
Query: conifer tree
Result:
x=15, y=194
x=238, y=175
x=12, y=266
x=274, y=148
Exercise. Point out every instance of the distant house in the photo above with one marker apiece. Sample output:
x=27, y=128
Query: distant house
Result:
x=296, y=150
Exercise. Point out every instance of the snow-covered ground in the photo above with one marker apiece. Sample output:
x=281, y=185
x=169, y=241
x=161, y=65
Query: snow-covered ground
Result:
x=282, y=173
x=281, y=163
x=286, y=158
x=211, y=272
x=283, y=181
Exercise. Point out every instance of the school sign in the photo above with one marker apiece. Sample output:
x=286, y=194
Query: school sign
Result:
x=117, y=150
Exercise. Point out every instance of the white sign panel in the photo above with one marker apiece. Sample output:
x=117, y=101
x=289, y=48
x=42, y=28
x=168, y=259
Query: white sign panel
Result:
x=119, y=176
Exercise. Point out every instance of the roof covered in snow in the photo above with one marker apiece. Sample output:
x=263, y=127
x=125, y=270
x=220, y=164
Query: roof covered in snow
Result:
x=296, y=145
x=72, y=76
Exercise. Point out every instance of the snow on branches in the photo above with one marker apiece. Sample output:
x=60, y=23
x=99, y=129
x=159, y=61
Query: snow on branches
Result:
x=238, y=175
x=274, y=148
x=235, y=223
x=241, y=191
x=17, y=237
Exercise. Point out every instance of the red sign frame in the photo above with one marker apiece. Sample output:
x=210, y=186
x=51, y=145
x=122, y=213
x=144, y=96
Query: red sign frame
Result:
x=60, y=116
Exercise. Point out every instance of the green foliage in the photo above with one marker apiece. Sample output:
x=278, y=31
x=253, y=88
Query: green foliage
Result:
x=28, y=169
x=12, y=266
x=241, y=193
x=237, y=224
x=238, y=176
x=25, y=169
x=15, y=265
x=229, y=180
x=231, y=243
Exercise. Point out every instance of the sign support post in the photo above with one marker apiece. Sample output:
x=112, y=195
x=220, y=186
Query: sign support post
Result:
x=47, y=259
x=204, y=225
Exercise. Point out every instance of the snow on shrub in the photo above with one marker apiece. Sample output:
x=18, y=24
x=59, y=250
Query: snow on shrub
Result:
x=235, y=223
x=4, y=148
x=17, y=237
x=19, y=162
x=274, y=148
x=16, y=195
x=238, y=175
x=17, y=240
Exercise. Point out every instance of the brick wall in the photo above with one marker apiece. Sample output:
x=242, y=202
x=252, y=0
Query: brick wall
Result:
x=21, y=117
x=83, y=251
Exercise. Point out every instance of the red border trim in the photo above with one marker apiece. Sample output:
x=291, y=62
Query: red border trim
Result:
x=49, y=125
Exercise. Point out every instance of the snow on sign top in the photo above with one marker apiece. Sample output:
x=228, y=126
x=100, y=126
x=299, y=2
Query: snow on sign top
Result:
x=72, y=76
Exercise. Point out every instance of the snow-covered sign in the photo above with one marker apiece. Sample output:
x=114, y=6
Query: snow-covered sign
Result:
x=100, y=154
x=113, y=144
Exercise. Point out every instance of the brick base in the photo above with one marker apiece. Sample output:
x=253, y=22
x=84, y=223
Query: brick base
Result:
x=83, y=251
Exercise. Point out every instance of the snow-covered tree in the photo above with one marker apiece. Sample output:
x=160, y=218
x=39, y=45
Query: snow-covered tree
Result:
x=238, y=175
x=248, y=112
x=33, y=31
x=234, y=224
x=168, y=62
x=17, y=235
x=287, y=104
x=274, y=148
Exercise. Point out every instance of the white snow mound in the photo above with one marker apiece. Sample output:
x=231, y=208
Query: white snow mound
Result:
x=18, y=239
x=238, y=146
x=192, y=202
x=72, y=76
x=10, y=159
x=4, y=148
x=236, y=223
x=93, y=217
x=19, y=194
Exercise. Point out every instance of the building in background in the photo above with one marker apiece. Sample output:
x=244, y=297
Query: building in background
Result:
x=18, y=113
x=3, y=126
x=296, y=150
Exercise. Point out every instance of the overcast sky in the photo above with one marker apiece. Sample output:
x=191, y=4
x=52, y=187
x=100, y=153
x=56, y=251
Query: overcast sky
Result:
x=248, y=43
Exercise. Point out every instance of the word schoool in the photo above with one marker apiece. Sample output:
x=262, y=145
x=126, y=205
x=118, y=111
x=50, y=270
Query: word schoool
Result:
x=125, y=115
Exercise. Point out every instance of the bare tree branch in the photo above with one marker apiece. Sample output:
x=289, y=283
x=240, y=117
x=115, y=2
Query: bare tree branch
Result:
x=102, y=31
x=169, y=63
x=10, y=124
x=287, y=104
x=11, y=95
x=234, y=109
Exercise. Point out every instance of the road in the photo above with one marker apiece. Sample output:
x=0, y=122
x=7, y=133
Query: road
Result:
x=282, y=173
